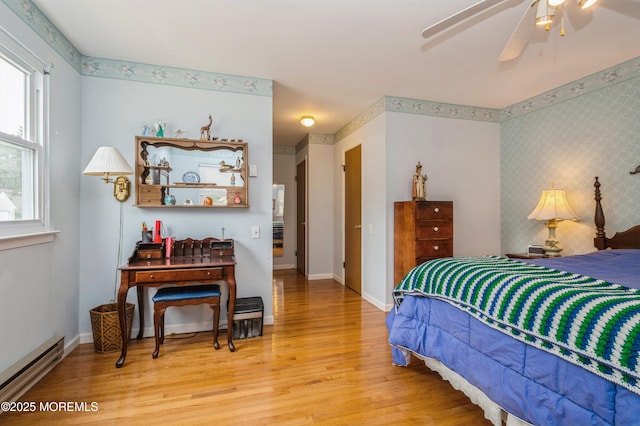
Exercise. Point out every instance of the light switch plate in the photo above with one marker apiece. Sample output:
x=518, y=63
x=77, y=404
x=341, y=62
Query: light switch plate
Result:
x=255, y=232
x=253, y=170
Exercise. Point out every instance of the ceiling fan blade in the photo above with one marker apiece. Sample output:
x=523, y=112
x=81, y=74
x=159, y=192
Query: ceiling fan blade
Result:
x=521, y=35
x=459, y=17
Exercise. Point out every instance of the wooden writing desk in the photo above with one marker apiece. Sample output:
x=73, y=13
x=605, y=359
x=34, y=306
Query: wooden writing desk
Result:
x=203, y=261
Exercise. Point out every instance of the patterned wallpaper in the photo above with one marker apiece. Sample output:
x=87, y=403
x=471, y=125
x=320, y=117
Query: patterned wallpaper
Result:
x=567, y=143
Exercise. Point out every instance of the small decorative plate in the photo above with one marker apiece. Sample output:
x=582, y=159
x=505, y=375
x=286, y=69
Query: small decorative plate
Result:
x=191, y=177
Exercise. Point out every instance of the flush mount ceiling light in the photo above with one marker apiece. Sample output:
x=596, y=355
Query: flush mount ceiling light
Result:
x=307, y=120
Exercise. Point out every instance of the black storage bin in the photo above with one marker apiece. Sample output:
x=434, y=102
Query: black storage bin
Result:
x=247, y=317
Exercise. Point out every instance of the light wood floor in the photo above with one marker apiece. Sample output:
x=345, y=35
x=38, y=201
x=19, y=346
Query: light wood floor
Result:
x=326, y=360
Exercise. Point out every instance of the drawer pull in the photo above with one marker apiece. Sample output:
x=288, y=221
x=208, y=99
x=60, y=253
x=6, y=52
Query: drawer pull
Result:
x=149, y=256
x=436, y=248
x=435, y=229
x=437, y=210
x=208, y=274
x=151, y=276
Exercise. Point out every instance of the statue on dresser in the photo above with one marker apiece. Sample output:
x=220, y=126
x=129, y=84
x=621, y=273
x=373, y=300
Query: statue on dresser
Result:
x=418, y=190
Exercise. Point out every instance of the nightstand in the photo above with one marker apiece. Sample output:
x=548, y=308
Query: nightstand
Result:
x=523, y=256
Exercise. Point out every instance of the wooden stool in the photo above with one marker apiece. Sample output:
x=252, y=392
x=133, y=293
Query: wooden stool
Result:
x=182, y=296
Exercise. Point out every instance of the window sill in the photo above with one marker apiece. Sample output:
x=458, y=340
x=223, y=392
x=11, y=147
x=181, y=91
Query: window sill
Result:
x=25, y=240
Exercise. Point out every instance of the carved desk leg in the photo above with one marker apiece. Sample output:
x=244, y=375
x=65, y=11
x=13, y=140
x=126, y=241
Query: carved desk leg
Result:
x=140, y=291
x=231, y=280
x=122, y=316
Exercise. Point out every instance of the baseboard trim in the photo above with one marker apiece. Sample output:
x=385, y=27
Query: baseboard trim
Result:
x=280, y=267
x=313, y=277
x=193, y=327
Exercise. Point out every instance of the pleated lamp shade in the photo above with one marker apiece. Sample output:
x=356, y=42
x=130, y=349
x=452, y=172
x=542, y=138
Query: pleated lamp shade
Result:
x=553, y=205
x=109, y=160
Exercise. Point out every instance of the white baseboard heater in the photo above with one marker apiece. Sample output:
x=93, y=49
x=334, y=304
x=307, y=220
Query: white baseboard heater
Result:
x=25, y=373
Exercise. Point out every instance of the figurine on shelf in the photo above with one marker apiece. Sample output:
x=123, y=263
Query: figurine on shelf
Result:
x=418, y=191
x=179, y=133
x=146, y=130
x=159, y=128
x=205, y=131
x=233, y=179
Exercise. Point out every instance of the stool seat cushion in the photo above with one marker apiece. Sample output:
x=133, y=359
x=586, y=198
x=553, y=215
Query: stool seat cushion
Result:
x=167, y=294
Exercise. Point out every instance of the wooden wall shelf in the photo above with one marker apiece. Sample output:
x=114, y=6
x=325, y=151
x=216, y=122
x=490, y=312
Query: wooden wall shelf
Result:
x=217, y=173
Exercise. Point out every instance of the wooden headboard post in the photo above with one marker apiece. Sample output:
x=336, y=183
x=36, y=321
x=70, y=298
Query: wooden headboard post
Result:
x=629, y=239
x=600, y=241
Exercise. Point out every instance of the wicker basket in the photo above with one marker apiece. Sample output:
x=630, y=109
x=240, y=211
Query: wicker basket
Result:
x=106, y=327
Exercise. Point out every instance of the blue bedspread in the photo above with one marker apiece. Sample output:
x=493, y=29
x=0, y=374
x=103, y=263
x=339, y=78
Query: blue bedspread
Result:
x=615, y=266
x=530, y=383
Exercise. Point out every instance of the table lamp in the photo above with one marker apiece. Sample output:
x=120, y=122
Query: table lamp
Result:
x=552, y=207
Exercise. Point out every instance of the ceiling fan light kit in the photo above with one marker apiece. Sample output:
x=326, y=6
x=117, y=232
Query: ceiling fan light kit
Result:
x=542, y=15
x=545, y=13
x=585, y=4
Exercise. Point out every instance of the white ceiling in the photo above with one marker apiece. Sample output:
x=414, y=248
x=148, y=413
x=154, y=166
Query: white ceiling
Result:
x=335, y=58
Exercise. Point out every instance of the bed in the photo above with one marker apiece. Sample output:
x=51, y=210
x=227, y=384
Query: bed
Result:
x=546, y=342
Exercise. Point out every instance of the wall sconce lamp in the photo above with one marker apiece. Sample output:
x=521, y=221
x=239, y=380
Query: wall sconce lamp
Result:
x=307, y=120
x=109, y=161
x=552, y=207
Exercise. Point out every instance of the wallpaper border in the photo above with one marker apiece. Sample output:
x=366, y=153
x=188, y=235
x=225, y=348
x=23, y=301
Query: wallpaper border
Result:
x=156, y=74
x=133, y=71
x=420, y=107
x=596, y=81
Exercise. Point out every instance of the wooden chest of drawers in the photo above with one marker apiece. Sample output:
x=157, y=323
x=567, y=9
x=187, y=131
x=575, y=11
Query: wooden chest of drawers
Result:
x=423, y=230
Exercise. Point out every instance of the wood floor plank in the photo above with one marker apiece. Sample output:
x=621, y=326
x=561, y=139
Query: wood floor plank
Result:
x=324, y=361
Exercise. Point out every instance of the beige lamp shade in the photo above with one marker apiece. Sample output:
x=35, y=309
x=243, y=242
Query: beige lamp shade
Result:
x=553, y=205
x=107, y=160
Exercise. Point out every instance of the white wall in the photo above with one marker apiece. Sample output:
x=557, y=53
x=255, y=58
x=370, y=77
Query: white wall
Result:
x=284, y=171
x=372, y=139
x=461, y=159
x=113, y=113
x=320, y=211
x=39, y=284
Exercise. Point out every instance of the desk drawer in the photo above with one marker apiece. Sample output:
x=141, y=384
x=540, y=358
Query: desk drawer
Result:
x=178, y=275
x=216, y=252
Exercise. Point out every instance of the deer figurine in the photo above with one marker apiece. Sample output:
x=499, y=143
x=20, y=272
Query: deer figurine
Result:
x=205, y=131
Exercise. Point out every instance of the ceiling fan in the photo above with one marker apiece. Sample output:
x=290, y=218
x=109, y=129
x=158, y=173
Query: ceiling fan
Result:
x=540, y=12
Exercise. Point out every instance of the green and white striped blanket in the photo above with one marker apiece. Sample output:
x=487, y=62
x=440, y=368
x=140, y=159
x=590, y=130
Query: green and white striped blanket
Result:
x=589, y=322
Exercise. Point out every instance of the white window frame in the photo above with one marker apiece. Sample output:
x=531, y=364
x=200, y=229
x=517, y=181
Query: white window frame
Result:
x=22, y=233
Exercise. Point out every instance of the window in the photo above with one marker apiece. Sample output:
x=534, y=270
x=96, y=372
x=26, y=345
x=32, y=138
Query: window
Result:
x=23, y=115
